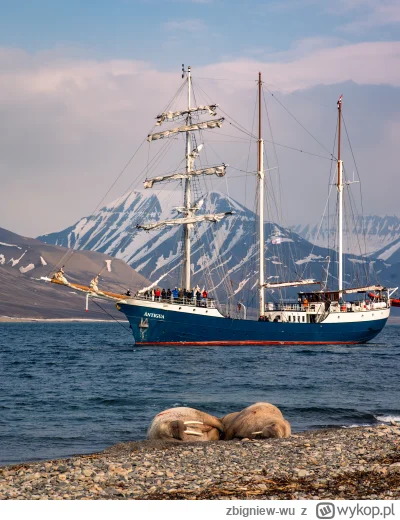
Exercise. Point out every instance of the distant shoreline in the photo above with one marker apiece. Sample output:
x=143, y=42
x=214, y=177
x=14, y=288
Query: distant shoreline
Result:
x=10, y=319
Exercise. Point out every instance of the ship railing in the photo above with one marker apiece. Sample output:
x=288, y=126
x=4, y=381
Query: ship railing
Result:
x=192, y=302
x=285, y=307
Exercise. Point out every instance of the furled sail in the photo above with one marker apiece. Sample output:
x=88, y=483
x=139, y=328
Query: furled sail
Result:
x=219, y=171
x=290, y=284
x=216, y=217
x=171, y=116
x=205, y=125
x=364, y=289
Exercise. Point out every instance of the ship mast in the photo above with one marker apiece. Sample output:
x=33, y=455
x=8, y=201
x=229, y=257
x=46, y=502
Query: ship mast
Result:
x=260, y=173
x=189, y=208
x=187, y=198
x=340, y=186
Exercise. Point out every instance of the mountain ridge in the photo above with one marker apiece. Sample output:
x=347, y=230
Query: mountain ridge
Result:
x=224, y=255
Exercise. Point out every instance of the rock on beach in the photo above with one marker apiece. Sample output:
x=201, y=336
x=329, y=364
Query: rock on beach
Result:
x=353, y=463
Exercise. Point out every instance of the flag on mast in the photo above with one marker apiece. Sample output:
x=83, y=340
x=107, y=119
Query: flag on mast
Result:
x=339, y=101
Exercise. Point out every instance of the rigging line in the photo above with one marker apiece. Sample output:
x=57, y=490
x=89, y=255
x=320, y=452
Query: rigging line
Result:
x=249, y=149
x=352, y=203
x=332, y=158
x=121, y=173
x=111, y=316
x=361, y=195
x=225, y=79
x=69, y=252
x=330, y=186
x=243, y=129
x=280, y=211
x=295, y=93
x=304, y=128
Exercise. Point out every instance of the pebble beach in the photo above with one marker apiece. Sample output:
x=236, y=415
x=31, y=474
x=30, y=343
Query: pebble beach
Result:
x=343, y=463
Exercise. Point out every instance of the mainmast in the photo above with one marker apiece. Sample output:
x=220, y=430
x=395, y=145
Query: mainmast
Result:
x=340, y=186
x=260, y=172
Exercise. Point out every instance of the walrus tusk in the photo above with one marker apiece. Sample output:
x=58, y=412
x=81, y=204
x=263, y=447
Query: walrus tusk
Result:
x=193, y=422
x=256, y=433
x=190, y=432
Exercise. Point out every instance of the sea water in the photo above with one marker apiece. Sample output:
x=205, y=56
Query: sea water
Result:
x=69, y=388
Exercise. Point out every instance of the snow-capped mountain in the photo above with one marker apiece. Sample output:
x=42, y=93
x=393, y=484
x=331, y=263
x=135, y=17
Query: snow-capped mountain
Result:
x=372, y=235
x=224, y=254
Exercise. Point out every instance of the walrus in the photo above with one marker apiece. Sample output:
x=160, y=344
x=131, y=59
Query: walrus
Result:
x=260, y=420
x=228, y=419
x=185, y=424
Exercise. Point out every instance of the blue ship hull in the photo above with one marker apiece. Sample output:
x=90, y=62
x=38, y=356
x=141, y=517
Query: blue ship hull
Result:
x=175, y=328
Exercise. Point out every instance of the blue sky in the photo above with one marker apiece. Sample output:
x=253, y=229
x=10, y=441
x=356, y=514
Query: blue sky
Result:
x=165, y=32
x=81, y=82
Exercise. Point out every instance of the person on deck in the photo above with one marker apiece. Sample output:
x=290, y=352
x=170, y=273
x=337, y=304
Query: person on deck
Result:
x=305, y=303
x=169, y=294
x=175, y=293
x=163, y=294
x=128, y=293
x=157, y=294
x=198, y=298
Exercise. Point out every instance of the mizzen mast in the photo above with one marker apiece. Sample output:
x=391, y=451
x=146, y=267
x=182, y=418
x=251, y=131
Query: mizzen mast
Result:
x=340, y=186
x=260, y=173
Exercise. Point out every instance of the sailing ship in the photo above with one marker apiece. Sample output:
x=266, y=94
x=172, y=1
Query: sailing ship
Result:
x=344, y=315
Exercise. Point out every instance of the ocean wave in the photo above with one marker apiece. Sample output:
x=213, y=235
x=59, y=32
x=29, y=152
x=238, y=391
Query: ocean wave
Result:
x=387, y=418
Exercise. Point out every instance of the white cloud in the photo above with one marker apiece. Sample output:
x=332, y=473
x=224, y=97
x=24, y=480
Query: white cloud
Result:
x=68, y=125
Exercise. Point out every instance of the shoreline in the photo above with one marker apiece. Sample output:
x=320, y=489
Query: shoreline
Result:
x=10, y=319
x=343, y=463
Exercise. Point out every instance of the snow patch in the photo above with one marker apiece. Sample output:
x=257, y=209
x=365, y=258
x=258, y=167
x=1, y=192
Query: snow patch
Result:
x=43, y=261
x=2, y=260
x=9, y=245
x=241, y=285
x=15, y=262
x=108, y=263
x=389, y=251
x=29, y=267
x=308, y=259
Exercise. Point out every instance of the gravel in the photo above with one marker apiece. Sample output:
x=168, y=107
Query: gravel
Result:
x=345, y=463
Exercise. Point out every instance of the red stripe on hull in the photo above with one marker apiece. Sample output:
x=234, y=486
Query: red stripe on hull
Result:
x=238, y=343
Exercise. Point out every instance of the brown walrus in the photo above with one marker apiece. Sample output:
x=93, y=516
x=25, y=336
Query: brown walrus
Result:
x=261, y=420
x=185, y=424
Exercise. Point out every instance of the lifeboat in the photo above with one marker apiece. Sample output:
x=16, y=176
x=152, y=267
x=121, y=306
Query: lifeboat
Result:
x=395, y=302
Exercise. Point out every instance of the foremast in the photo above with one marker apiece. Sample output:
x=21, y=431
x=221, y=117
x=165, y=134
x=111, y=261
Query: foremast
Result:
x=187, y=198
x=189, y=208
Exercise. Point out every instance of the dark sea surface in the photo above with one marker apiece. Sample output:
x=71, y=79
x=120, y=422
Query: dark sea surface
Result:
x=69, y=388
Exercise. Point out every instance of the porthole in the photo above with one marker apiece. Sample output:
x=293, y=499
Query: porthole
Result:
x=194, y=310
x=180, y=308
